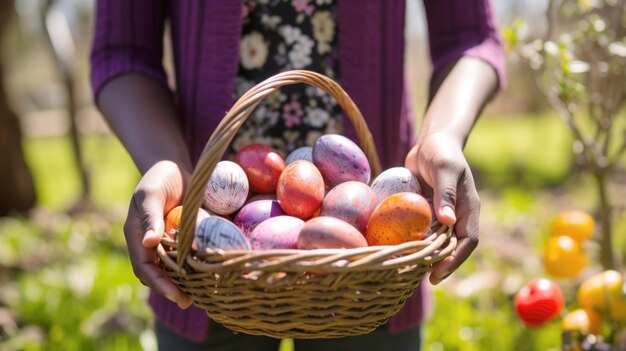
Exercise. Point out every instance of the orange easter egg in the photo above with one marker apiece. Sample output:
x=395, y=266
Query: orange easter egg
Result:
x=172, y=221
x=401, y=217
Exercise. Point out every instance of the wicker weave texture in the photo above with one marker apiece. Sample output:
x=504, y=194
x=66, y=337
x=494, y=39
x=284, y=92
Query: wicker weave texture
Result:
x=296, y=293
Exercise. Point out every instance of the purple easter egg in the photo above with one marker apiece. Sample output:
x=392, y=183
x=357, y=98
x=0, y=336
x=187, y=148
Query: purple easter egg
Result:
x=256, y=212
x=339, y=160
x=280, y=232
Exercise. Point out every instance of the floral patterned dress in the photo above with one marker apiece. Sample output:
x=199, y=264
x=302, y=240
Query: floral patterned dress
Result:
x=280, y=35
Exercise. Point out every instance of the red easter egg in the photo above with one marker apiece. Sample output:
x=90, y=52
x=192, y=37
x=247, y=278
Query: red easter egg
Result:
x=300, y=189
x=538, y=302
x=263, y=165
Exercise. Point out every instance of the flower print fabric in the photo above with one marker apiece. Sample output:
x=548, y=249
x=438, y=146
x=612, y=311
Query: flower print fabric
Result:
x=280, y=35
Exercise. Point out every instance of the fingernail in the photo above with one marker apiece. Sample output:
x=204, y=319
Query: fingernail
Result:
x=441, y=278
x=185, y=304
x=148, y=235
x=171, y=298
x=449, y=212
x=444, y=276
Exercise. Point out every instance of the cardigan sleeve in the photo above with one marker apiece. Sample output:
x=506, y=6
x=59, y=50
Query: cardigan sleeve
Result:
x=459, y=28
x=128, y=38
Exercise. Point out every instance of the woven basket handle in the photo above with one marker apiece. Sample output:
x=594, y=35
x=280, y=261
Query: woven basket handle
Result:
x=234, y=119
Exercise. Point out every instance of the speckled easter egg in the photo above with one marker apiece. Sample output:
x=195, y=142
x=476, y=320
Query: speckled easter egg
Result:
x=301, y=153
x=300, y=189
x=219, y=233
x=256, y=212
x=227, y=189
x=280, y=232
x=339, y=160
x=263, y=165
x=395, y=180
x=352, y=202
x=329, y=233
x=399, y=218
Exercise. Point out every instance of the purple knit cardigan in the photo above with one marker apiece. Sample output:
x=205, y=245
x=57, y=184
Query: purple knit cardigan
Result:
x=205, y=37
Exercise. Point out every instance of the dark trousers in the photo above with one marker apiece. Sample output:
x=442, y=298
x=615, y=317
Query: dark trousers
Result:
x=222, y=339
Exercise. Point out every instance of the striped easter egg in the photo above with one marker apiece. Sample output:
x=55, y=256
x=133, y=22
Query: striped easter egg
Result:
x=219, y=233
x=227, y=189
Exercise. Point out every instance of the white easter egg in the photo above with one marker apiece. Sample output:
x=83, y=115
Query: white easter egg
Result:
x=395, y=180
x=227, y=189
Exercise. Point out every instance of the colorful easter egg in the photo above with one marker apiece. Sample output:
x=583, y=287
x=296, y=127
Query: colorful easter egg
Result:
x=395, y=180
x=173, y=217
x=339, y=160
x=538, y=302
x=280, y=232
x=300, y=189
x=219, y=233
x=227, y=189
x=399, y=218
x=301, y=153
x=172, y=221
x=256, y=212
x=263, y=165
x=329, y=233
x=352, y=202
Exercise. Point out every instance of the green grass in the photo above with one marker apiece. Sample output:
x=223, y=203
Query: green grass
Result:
x=483, y=323
x=530, y=151
x=72, y=288
x=70, y=283
x=112, y=173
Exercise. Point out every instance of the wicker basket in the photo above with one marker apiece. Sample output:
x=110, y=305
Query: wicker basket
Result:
x=296, y=293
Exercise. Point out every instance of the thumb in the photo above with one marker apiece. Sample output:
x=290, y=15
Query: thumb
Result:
x=151, y=212
x=444, y=198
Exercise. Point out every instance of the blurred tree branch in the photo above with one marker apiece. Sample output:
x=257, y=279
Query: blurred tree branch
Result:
x=580, y=66
x=59, y=39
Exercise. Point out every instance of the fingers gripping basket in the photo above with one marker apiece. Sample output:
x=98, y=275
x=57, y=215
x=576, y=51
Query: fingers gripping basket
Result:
x=296, y=293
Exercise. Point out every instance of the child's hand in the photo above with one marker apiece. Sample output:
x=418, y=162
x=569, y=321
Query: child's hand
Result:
x=439, y=163
x=160, y=190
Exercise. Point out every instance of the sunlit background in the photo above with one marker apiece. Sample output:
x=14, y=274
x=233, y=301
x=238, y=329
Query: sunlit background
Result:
x=552, y=141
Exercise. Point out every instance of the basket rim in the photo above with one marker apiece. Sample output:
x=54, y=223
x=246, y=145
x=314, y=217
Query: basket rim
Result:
x=430, y=250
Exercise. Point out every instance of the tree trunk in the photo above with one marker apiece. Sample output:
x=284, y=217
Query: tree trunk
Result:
x=606, y=227
x=17, y=190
